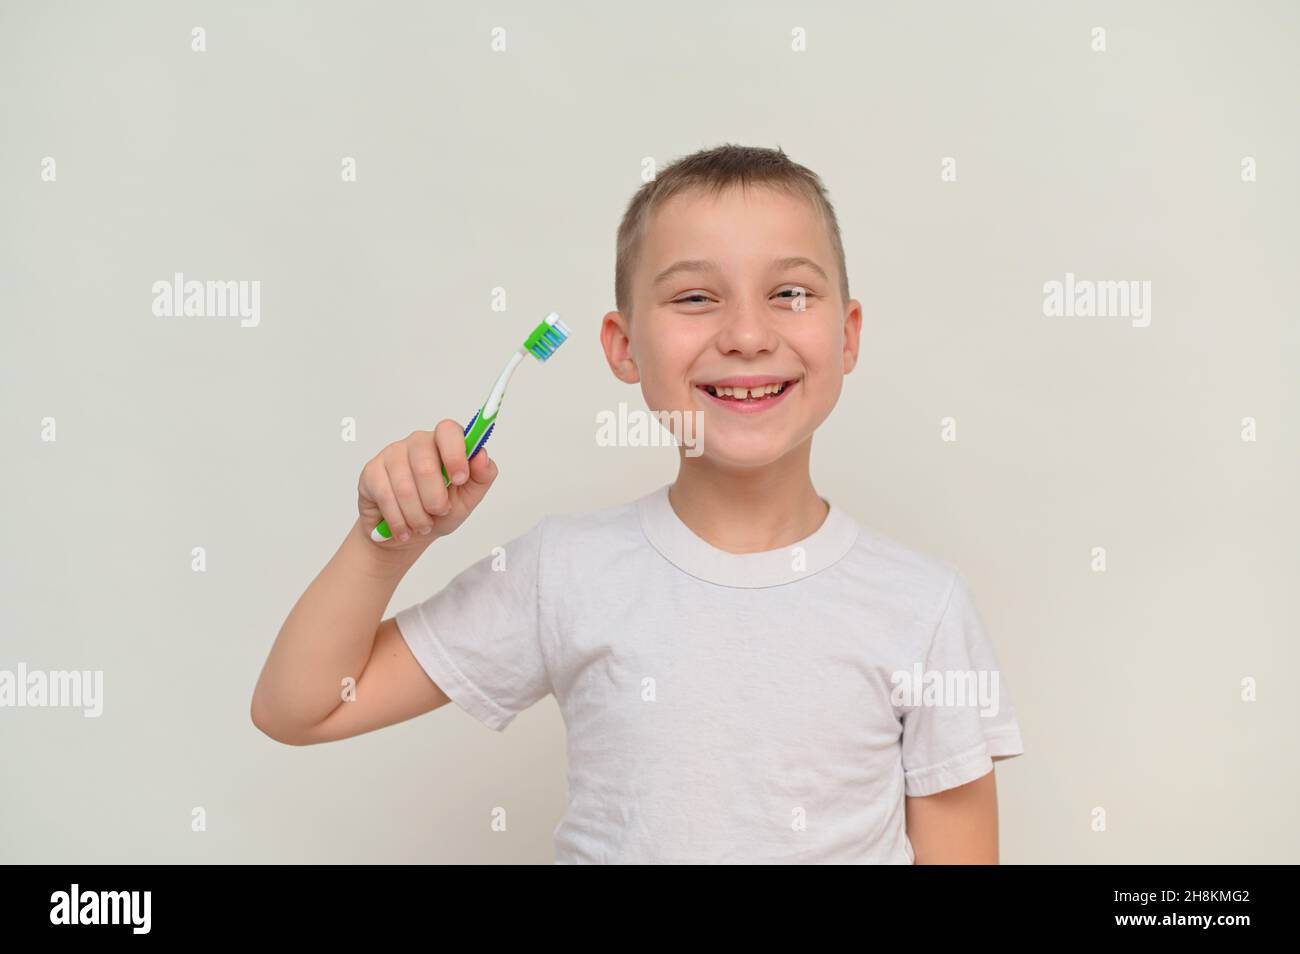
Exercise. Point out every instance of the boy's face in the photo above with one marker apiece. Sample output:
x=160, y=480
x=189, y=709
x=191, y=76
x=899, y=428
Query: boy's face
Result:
x=741, y=320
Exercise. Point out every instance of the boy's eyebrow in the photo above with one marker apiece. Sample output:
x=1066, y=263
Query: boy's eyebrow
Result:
x=708, y=265
x=798, y=260
x=686, y=265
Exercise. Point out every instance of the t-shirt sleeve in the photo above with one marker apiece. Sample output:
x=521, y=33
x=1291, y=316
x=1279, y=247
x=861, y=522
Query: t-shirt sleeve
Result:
x=480, y=637
x=963, y=714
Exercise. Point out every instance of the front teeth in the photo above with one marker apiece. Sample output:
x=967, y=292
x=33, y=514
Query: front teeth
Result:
x=744, y=393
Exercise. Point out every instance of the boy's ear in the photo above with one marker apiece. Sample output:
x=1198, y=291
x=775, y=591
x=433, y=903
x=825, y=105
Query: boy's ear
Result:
x=852, y=332
x=618, y=347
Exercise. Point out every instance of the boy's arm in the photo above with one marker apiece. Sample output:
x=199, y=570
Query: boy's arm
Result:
x=958, y=826
x=335, y=632
x=332, y=633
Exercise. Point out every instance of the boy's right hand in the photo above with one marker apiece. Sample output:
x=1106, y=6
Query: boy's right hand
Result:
x=403, y=485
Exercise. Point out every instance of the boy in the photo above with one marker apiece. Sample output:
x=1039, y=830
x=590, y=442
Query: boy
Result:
x=732, y=653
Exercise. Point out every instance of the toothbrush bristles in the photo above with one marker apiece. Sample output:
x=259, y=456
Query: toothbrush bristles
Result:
x=547, y=337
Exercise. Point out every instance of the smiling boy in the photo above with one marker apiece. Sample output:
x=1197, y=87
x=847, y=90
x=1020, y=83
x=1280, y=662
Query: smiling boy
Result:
x=724, y=649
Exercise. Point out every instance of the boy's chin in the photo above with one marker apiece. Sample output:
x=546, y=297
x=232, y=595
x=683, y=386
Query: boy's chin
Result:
x=737, y=459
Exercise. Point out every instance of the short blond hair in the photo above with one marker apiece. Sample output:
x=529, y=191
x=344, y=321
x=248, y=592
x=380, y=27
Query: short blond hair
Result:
x=714, y=171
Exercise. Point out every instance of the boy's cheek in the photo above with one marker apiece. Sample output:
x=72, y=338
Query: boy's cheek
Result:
x=823, y=387
x=659, y=397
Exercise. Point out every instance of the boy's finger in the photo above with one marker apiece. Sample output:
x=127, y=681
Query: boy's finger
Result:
x=426, y=467
x=450, y=439
x=408, y=498
x=482, y=469
x=482, y=472
x=386, y=501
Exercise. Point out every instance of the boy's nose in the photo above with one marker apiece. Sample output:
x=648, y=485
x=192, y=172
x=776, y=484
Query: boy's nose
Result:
x=746, y=328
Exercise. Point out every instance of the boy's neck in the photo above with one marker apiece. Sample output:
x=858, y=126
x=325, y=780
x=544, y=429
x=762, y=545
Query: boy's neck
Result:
x=748, y=511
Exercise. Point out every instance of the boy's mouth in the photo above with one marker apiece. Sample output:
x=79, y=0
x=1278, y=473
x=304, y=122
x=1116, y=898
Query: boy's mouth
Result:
x=749, y=393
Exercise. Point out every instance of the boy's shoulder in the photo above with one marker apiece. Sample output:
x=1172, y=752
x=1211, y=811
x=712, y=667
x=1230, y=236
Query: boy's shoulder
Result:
x=913, y=572
x=899, y=557
x=573, y=528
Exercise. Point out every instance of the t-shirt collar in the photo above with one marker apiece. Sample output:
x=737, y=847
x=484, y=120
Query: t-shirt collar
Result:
x=682, y=547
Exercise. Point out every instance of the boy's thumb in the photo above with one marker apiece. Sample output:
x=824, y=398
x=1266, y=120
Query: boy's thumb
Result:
x=481, y=469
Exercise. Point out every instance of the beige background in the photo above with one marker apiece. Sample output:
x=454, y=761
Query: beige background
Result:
x=479, y=169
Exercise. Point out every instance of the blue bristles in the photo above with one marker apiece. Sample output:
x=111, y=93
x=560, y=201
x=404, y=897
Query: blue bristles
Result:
x=547, y=338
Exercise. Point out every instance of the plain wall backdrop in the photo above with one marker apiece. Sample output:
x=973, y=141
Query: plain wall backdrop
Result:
x=481, y=169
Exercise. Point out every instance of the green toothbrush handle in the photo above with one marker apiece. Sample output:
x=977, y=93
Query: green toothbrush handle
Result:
x=477, y=431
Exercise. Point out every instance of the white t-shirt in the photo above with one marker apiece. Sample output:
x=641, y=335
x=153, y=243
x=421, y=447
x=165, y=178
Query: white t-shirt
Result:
x=725, y=707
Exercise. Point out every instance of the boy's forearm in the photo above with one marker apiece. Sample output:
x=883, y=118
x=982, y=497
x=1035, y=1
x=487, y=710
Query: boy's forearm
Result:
x=328, y=635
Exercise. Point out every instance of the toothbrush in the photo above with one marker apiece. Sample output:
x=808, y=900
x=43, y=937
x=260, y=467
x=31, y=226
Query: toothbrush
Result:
x=543, y=342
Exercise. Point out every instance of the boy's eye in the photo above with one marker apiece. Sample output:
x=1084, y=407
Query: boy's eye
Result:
x=789, y=294
x=797, y=292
